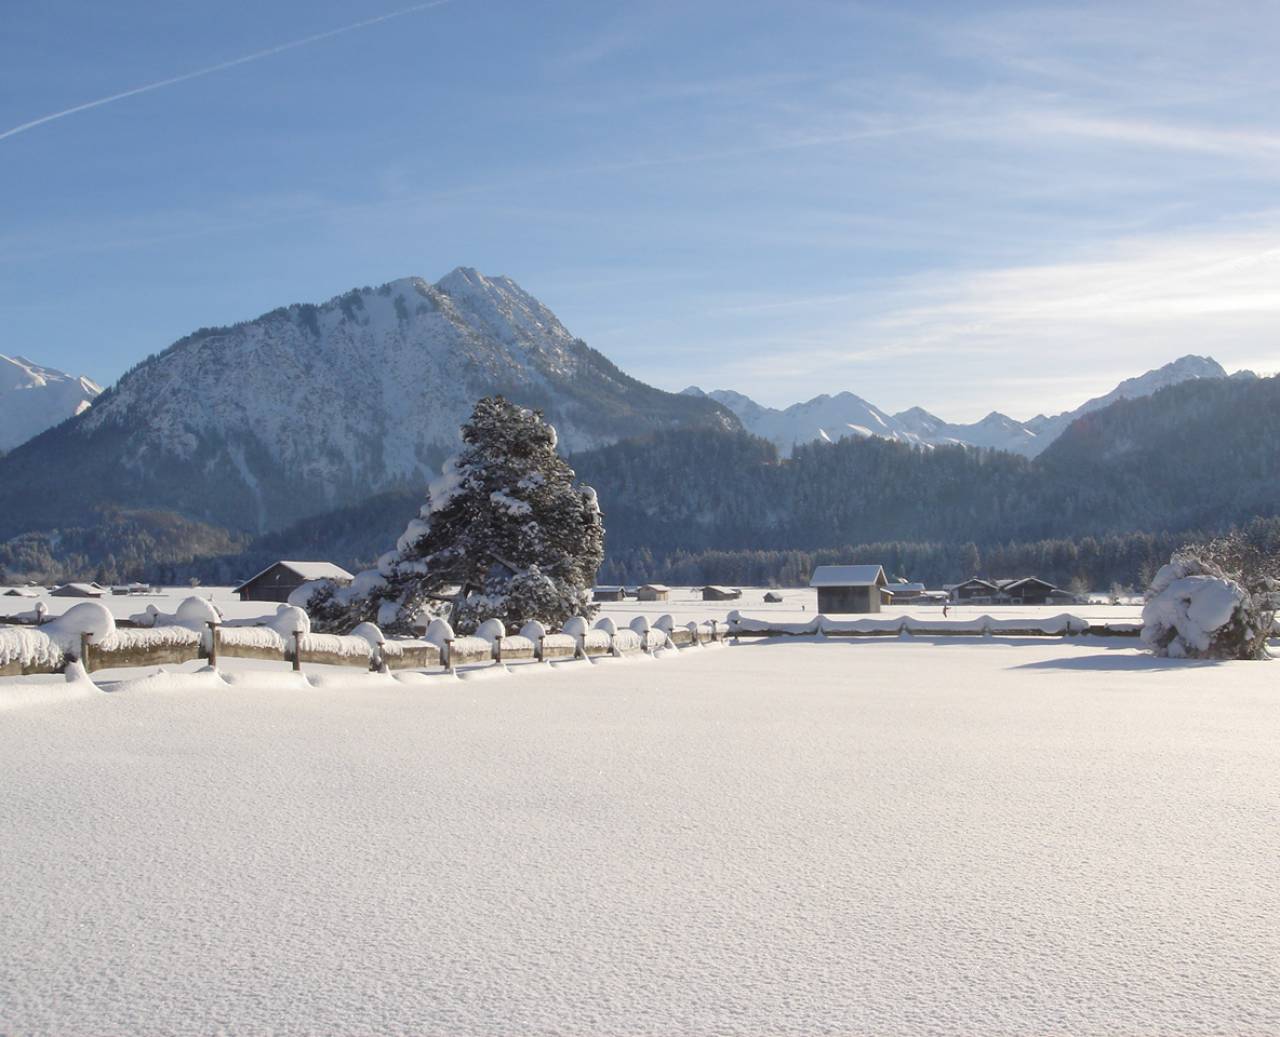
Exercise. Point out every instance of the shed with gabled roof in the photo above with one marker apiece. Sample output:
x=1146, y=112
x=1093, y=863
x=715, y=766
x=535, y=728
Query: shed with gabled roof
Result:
x=848, y=588
x=280, y=579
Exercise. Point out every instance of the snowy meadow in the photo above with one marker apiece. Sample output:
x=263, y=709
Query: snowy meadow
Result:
x=909, y=836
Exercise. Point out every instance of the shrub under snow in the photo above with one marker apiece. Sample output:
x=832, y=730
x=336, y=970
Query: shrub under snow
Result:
x=1195, y=611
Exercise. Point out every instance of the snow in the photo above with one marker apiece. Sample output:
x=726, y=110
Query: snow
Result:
x=308, y=571
x=846, y=576
x=828, y=418
x=34, y=398
x=1189, y=605
x=869, y=836
x=511, y=505
x=27, y=646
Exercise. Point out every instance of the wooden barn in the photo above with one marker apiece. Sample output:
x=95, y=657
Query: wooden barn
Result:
x=276, y=582
x=975, y=590
x=78, y=590
x=653, y=592
x=713, y=593
x=904, y=593
x=773, y=598
x=849, y=588
x=1028, y=591
x=607, y=594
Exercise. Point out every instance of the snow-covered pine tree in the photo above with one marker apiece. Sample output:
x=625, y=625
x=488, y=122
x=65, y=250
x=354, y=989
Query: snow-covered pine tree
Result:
x=504, y=534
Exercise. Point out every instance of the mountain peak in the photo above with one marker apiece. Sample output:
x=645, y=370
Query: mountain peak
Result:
x=34, y=398
x=265, y=421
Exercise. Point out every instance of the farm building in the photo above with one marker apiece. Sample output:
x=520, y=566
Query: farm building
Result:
x=607, y=594
x=712, y=593
x=78, y=590
x=773, y=598
x=278, y=581
x=849, y=588
x=653, y=592
x=904, y=592
x=1027, y=591
x=975, y=590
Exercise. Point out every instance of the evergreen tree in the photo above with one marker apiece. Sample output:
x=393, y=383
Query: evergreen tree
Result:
x=504, y=534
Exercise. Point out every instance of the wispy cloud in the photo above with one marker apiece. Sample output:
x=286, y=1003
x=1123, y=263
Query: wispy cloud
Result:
x=222, y=66
x=1022, y=338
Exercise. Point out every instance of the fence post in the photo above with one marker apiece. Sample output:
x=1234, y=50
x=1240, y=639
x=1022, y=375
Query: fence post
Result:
x=497, y=652
x=297, y=651
x=213, y=644
x=715, y=636
x=447, y=655
x=542, y=648
x=84, y=650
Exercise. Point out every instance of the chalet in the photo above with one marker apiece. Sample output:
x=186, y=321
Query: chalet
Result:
x=278, y=581
x=653, y=592
x=849, y=588
x=979, y=592
x=904, y=593
x=607, y=594
x=712, y=593
x=77, y=590
x=1027, y=591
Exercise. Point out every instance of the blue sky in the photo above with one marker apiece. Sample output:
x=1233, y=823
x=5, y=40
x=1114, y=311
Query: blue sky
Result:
x=962, y=206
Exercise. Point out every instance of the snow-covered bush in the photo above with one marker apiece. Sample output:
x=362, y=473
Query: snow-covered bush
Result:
x=505, y=534
x=1195, y=611
x=193, y=613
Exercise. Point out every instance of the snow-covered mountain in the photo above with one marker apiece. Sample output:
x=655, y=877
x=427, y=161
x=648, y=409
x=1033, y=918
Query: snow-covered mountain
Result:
x=34, y=398
x=307, y=407
x=836, y=417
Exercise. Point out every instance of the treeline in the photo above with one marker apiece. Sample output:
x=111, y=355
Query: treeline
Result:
x=120, y=547
x=1124, y=561
x=1201, y=455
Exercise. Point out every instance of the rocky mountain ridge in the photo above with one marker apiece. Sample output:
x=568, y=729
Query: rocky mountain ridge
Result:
x=844, y=415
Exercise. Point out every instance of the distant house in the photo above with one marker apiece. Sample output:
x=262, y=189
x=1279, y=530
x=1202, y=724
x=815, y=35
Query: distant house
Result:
x=773, y=598
x=849, y=588
x=1027, y=591
x=607, y=594
x=77, y=590
x=276, y=582
x=980, y=592
x=904, y=593
x=712, y=593
x=653, y=592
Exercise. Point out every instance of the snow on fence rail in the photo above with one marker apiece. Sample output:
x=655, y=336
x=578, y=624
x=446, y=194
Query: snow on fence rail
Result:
x=1064, y=625
x=51, y=649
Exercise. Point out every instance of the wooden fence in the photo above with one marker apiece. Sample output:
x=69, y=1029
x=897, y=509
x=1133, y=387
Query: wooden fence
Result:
x=173, y=645
x=1064, y=625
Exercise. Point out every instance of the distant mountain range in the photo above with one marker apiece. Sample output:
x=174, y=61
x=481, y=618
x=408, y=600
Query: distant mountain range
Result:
x=845, y=415
x=314, y=429
x=34, y=398
x=306, y=408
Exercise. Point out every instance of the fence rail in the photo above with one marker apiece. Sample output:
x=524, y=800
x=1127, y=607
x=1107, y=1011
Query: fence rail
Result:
x=25, y=651
x=1064, y=625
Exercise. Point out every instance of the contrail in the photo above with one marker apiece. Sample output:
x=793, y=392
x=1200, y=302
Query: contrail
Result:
x=255, y=56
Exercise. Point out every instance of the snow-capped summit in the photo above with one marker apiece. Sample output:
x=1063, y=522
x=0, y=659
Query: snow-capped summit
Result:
x=1183, y=369
x=311, y=406
x=836, y=417
x=826, y=418
x=34, y=398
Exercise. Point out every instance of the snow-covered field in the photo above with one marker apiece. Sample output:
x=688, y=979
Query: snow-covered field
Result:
x=889, y=837
x=685, y=604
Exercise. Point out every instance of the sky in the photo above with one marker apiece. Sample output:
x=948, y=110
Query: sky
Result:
x=964, y=207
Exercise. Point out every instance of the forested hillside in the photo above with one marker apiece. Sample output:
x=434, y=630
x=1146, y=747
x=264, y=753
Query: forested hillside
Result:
x=1119, y=490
